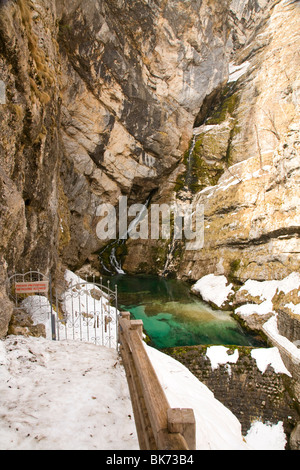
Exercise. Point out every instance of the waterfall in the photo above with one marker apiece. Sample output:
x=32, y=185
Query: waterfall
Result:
x=169, y=259
x=189, y=170
x=114, y=262
x=115, y=265
x=187, y=189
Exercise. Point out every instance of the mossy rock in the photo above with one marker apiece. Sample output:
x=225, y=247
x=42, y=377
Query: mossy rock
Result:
x=211, y=154
x=225, y=107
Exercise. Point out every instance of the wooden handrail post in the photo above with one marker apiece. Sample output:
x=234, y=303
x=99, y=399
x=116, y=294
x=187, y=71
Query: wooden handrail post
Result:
x=134, y=324
x=182, y=421
x=125, y=315
x=138, y=326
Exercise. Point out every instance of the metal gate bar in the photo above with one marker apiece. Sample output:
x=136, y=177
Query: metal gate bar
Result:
x=88, y=311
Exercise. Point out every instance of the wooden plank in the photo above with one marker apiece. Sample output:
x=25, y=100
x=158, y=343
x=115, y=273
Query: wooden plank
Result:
x=151, y=385
x=139, y=424
x=166, y=426
x=143, y=425
x=137, y=325
x=125, y=315
x=168, y=441
x=155, y=398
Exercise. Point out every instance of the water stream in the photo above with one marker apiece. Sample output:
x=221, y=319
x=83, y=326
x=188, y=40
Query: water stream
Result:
x=114, y=262
x=108, y=256
x=172, y=316
x=189, y=168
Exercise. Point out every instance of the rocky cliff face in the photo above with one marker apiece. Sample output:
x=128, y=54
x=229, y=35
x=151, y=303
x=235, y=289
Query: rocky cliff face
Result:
x=251, y=214
x=100, y=98
x=29, y=129
x=139, y=75
x=245, y=159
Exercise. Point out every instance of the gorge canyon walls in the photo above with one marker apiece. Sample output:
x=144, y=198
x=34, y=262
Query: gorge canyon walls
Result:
x=102, y=98
x=99, y=100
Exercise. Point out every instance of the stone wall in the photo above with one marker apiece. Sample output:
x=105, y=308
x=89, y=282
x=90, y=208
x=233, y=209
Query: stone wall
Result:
x=289, y=326
x=250, y=394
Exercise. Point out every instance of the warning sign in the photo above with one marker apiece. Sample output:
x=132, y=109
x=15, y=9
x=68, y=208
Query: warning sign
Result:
x=31, y=287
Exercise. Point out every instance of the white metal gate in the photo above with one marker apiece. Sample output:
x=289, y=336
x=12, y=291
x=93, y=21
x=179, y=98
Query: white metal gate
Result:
x=87, y=311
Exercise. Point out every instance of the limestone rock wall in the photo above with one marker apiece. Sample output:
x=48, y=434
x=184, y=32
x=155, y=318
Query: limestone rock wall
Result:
x=101, y=98
x=139, y=75
x=98, y=98
x=29, y=142
x=245, y=161
x=251, y=215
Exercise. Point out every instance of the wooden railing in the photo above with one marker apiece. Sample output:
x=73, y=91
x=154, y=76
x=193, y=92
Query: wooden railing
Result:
x=159, y=427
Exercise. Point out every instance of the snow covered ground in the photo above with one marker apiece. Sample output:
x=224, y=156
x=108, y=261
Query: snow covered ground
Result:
x=213, y=288
x=71, y=395
x=237, y=71
x=266, y=290
x=63, y=396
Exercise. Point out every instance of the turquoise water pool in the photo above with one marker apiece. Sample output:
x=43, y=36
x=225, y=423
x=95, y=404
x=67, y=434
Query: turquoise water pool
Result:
x=172, y=316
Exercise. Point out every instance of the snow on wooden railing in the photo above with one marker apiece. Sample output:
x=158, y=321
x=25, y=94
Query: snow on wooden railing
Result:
x=159, y=427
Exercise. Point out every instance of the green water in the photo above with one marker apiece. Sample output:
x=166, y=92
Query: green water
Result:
x=172, y=316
